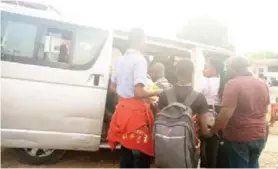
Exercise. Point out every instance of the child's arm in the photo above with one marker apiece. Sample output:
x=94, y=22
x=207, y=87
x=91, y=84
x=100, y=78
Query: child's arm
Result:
x=195, y=119
x=162, y=101
x=204, y=116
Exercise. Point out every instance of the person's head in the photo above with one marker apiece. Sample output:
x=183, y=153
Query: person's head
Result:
x=63, y=50
x=213, y=67
x=157, y=71
x=237, y=65
x=137, y=39
x=184, y=70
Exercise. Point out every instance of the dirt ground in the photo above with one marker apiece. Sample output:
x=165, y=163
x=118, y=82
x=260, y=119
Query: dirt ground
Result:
x=107, y=159
x=269, y=157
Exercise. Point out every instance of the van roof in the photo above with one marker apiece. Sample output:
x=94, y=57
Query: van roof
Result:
x=174, y=43
x=37, y=10
x=31, y=4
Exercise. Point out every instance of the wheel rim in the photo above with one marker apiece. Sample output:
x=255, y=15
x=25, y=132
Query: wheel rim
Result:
x=38, y=152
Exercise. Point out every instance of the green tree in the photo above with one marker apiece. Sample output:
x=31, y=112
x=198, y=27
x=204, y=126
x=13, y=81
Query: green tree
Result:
x=263, y=55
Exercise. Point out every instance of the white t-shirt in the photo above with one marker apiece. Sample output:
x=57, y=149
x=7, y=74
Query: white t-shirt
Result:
x=209, y=87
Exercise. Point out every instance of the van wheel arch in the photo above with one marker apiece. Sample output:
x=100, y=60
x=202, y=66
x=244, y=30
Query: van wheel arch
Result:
x=39, y=156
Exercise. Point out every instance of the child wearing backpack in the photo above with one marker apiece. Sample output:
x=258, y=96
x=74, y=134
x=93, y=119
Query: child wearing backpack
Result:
x=175, y=130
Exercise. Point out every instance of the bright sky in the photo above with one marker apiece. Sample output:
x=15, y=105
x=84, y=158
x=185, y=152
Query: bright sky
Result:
x=253, y=25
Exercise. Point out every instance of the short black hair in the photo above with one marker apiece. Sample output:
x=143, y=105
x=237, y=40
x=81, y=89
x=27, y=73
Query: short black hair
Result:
x=136, y=36
x=239, y=63
x=218, y=64
x=184, y=68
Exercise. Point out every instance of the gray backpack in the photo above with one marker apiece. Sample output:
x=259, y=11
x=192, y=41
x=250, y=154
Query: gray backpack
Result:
x=174, y=134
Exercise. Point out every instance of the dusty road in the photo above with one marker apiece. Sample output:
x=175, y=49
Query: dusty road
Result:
x=72, y=159
x=106, y=159
x=269, y=157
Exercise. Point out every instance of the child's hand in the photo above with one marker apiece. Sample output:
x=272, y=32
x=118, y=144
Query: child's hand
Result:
x=196, y=123
x=210, y=119
x=198, y=147
x=152, y=100
x=158, y=92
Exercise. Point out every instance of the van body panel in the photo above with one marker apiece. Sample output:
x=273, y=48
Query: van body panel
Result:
x=53, y=107
x=16, y=138
x=44, y=106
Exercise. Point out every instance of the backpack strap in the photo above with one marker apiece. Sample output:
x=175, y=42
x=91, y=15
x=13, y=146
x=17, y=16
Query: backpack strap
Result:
x=171, y=97
x=191, y=98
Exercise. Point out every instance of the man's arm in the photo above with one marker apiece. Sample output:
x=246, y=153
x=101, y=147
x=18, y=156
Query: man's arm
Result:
x=221, y=122
x=268, y=96
x=162, y=101
x=113, y=85
x=140, y=76
x=204, y=115
x=229, y=104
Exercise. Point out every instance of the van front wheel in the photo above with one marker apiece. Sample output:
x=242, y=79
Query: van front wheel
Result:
x=39, y=156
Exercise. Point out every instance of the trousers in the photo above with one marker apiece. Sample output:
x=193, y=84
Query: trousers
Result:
x=134, y=159
x=244, y=154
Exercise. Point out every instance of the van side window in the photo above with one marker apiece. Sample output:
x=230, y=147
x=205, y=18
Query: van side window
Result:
x=48, y=43
x=56, y=46
x=11, y=40
x=88, y=42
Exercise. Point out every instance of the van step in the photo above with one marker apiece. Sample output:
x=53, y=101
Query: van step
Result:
x=106, y=145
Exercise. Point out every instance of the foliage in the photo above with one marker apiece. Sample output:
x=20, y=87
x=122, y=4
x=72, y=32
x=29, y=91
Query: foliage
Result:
x=263, y=55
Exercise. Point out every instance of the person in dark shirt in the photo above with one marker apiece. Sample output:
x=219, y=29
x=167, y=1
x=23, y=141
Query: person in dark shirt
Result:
x=183, y=87
x=242, y=116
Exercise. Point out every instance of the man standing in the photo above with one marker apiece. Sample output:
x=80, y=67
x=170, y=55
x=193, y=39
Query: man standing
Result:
x=132, y=121
x=242, y=116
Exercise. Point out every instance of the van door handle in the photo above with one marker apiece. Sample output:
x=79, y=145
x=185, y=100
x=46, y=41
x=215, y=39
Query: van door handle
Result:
x=96, y=78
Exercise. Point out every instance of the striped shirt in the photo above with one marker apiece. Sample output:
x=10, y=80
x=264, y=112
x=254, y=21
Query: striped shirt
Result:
x=163, y=84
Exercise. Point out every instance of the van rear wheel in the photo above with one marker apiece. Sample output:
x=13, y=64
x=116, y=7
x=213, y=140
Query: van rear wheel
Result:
x=39, y=156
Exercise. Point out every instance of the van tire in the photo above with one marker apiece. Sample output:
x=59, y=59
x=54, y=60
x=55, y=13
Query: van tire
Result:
x=50, y=158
